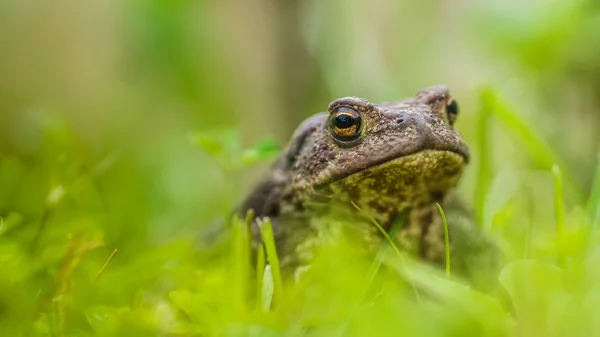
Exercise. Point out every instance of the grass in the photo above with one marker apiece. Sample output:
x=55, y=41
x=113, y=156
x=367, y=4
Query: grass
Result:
x=266, y=232
x=110, y=258
x=389, y=241
x=446, y=240
x=71, y=284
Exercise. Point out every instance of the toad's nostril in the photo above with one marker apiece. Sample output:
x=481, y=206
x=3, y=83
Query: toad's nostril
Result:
x=400, y=120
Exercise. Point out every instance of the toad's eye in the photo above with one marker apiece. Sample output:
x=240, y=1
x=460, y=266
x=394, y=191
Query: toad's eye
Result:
x=452, y=111
x=345, y=123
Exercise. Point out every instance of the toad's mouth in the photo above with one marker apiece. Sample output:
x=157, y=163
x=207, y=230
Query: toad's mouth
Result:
x=395, y=185
x=432, y=169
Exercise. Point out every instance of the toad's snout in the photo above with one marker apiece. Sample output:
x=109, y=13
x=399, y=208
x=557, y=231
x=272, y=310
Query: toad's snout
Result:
x=414, y=132
x=421, y=122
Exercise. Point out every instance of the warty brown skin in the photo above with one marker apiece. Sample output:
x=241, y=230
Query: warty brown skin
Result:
x=405, y=156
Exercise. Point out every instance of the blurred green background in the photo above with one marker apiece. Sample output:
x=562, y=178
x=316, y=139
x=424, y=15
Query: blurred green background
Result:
x=102, y=103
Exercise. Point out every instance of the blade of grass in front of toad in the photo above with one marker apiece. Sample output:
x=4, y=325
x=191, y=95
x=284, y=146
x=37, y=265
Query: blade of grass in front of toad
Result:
x=104, y=266
x=249, y=222
x=446, y=239
x=388, y=237
x=267, y=289
x=266, y=231
x=384, y=248
x=260, y=271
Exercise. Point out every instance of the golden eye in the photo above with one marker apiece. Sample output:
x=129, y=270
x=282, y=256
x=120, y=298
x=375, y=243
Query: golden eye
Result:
x=345, y=123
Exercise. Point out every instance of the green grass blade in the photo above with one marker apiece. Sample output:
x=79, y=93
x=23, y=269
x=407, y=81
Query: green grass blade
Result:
x=484, y=159
x=249, y=221
x=267, y=289
x=260, y=270
x=446, y=239
x=384, y=247
x=383, y=231
x=593, y=203
x=104, y=266
x=266, y=230
x=534, y=144
x=559, y=208
x=393, y=231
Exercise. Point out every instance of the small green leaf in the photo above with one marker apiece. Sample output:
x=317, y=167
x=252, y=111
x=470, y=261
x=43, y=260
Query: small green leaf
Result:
x=211, y=146
x=223, y=142
x=265, y=149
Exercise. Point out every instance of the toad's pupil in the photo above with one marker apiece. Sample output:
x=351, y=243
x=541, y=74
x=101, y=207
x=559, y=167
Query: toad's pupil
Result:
x=344, y=121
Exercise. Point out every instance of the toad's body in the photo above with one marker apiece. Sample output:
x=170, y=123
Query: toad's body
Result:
x=386, y=159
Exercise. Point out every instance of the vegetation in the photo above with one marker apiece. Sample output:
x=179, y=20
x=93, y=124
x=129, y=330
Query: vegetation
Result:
x=127, y=128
